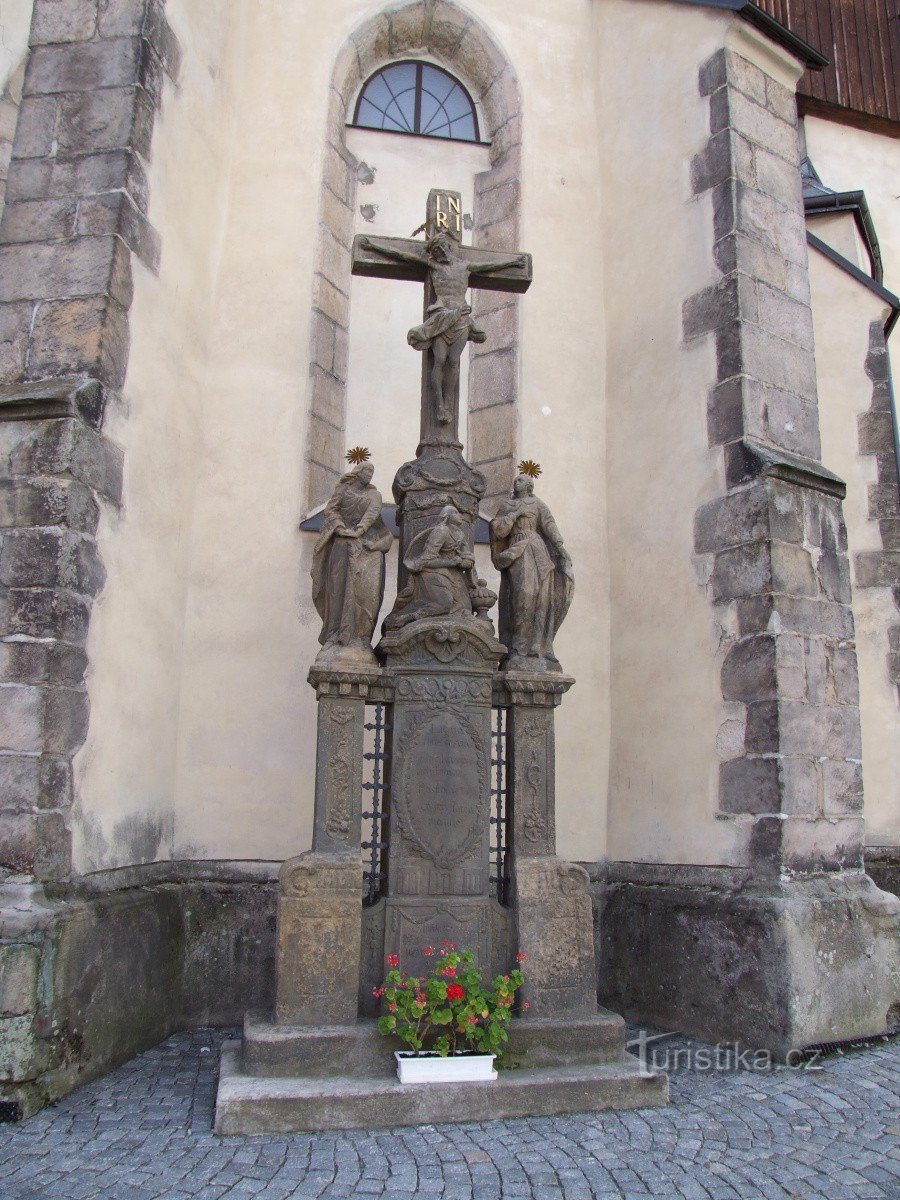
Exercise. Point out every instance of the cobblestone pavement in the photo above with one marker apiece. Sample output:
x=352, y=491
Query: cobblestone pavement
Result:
x=144, y=1133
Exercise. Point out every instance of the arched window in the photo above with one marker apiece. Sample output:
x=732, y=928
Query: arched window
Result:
x=417, y=97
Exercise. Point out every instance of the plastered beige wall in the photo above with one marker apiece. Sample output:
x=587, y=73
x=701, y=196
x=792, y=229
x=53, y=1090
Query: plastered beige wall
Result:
x=126, y=773
x=669, y=728
x=15, y=23
x=842, y=310
x=202, y=721
x=848, y=160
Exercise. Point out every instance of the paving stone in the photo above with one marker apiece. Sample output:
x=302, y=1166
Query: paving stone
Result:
x=145, y=1131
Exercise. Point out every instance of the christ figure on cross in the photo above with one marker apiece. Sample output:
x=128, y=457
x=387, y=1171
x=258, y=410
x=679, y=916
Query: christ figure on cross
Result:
x=448, y=326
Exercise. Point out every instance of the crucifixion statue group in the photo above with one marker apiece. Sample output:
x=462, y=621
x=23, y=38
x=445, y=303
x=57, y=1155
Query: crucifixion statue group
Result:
x=467, y=825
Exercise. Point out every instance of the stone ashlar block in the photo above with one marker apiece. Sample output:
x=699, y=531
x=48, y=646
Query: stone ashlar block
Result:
x=781, y=101
x=714, y=308
x=15, y=323
x=749, y=785
x=48, y=502
x=725, y=156
x=19, y=966
x=19, y=773
x=21, y=1057
x=334, y=260
x=733, y=520
x=328, y=300
x=337, y=216
x=762, y=217
x=778, y=363
x=809, y=845
x=742, y=571
x=784, y=316
x=88, y=336
x=492, y=432
x=66, y=719
x=876, y=433
x=448, y=24
x=79, y=175
x=792, y=570
x=504, y=122
x=833, y=570
x=33, y=558
x=820, y=731
x=731, y=109
x=493, y=379
x=884, y=501
x=67, y=447
x=776, y=416
x=498, y=203
x=83, y=266
x=42, y=662
x=83, y=66
x=742, y=252
x=501, y=326
x=160, y=37
x=877, y=568
x=373, y=43
x=890, y=534
x=38, y=220
x=327, y=395
x=801, y=786
x=749, y=670
x=842, y=787
x=321, y=479
x=115, y=212
x=107, y=119
x=44, y=613
x=21, y=718
x=778, y=179
x=35, y=129
x=814, y=617
x=55, y=21
x=326, y=443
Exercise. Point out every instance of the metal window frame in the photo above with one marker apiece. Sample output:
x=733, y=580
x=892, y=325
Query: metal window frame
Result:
x=419, y=64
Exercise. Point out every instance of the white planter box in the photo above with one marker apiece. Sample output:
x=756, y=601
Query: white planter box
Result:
x=455, y=1068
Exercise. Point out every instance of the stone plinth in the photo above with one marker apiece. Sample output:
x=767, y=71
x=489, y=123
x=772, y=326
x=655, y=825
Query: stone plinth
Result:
x=283, y=1079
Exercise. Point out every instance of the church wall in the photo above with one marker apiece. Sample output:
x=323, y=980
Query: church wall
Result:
x=245, y=740
x=126, y=772
x=669, y=728
x=844, y=313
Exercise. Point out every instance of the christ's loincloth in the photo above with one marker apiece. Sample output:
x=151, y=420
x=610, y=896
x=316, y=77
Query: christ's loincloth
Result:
x=447, y=325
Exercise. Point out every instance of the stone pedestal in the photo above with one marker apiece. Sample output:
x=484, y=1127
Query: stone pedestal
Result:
x=550, y=897
x=438, y=876
x=319, y=902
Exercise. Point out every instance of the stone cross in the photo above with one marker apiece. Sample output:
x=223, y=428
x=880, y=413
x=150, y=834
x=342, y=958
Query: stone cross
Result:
x=448, y=269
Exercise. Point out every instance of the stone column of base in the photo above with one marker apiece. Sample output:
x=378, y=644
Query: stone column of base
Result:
x=551, y=900
x=320, y=893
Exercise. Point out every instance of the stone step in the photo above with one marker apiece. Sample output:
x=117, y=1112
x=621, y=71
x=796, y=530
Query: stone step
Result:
x=250, y=1104
x=284, y=1050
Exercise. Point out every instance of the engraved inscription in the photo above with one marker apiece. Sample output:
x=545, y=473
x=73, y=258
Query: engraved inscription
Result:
x=442, y=800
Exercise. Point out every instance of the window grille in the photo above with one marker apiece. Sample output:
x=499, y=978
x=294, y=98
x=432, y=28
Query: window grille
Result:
x=499, y=877
x=418, y=98
x=375, y=800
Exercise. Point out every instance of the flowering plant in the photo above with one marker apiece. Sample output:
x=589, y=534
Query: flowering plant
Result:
x=451, y=1009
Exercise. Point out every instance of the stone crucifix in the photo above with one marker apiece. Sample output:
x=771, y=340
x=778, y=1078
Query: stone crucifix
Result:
x=448, y=269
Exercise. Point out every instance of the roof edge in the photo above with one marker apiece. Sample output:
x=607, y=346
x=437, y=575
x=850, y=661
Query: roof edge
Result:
x=807, y=54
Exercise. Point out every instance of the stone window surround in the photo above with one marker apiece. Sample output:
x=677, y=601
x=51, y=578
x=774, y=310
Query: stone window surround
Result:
x=439, y=31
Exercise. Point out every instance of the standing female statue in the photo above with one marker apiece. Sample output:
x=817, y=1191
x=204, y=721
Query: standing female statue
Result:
x=537, y=579
x=348, y=567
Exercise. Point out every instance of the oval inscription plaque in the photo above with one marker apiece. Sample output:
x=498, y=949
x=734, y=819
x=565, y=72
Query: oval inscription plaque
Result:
x=444, y=781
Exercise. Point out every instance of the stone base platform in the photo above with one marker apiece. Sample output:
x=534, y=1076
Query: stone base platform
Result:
x=284, y=1079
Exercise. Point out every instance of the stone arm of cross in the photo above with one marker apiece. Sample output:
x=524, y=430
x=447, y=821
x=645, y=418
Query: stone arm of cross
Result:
x=499, y=264
x=395, y=252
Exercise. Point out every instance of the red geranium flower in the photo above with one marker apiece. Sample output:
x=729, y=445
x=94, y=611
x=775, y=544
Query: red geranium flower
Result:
x=393, y=960
x=429, y=950
x=455, y=992
x=520, y=957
